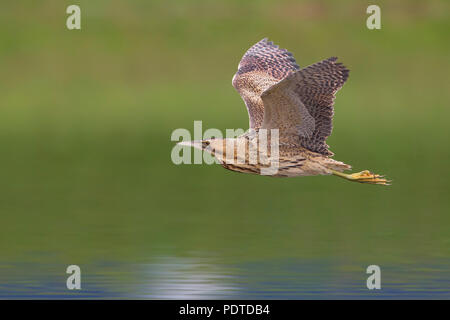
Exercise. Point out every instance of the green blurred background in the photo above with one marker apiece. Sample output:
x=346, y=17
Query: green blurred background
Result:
x=85, y=123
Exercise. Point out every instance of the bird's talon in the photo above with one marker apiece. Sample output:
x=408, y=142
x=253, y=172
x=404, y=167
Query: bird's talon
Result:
x=368, y=177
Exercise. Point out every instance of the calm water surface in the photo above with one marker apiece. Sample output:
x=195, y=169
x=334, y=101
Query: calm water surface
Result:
x=205, y=278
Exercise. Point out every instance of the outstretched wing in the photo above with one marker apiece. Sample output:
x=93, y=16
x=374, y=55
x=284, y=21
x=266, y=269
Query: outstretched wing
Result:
x=301, y=105
x=262, y=66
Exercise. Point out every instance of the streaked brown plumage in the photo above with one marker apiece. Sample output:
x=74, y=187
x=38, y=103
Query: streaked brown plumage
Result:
x=297, y=102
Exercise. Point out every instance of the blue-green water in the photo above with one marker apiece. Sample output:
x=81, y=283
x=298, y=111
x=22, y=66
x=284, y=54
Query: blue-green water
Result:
x=206, y=278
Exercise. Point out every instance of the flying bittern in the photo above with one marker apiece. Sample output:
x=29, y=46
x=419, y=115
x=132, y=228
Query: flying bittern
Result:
x=298, y=103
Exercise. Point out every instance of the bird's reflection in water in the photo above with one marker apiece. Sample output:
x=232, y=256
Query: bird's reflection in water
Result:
x=186, y=278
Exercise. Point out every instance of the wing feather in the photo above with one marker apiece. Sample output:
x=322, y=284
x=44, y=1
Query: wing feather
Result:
x=262, y=66
x=301, y=105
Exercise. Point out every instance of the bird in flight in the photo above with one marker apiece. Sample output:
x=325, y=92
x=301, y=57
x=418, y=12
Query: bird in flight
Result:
x=294, y=108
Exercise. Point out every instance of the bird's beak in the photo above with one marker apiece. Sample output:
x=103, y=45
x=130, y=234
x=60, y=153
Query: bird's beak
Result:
x=196, y=144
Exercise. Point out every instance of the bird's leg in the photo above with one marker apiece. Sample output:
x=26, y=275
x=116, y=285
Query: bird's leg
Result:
x=363, y=177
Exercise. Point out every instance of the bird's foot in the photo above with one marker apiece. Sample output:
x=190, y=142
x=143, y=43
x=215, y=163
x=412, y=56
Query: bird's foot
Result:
x=368, y=177
x=363, y=177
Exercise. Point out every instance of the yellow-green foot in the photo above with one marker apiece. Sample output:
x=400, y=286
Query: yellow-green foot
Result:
x=363, y=177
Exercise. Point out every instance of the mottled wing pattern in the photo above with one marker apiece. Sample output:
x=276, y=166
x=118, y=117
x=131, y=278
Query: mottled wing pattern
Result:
x=285, y=111
x=262, y=66
x=315, y=87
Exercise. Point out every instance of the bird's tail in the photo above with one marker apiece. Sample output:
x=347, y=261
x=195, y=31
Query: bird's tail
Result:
x=337, y=165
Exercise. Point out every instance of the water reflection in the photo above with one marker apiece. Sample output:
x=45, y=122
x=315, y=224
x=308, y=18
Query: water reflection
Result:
x=187, y=278
x=206, y=278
